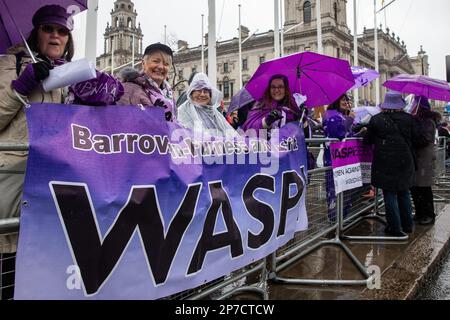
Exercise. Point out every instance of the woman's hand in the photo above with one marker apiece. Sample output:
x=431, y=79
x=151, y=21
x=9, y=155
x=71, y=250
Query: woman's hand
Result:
x=273, y=116
x=31, y=76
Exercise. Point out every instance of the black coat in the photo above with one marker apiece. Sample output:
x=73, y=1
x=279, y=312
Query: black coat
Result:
x=393, y=164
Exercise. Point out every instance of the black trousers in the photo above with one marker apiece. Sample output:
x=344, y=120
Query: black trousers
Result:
x=423, y=202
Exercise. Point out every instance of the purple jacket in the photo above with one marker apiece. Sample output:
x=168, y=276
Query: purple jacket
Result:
x=259, y=112
x=336, y=125
x=139, y=91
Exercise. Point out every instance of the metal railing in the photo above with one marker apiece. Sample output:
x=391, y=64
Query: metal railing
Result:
x=325, y=229
x=322, y=220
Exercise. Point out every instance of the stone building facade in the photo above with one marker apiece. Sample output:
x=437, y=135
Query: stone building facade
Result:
x=119, y=36
x=300, y=17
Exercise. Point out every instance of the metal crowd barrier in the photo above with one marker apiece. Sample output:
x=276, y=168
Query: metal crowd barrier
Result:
x=253, y=278
x=321, y=224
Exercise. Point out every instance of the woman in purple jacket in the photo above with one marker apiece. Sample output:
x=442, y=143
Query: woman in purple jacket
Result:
x=337, y=124
x=275, y=109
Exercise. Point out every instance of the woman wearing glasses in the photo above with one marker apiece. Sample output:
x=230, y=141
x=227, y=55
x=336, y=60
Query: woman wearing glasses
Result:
x=277, y=107
x=200, y=111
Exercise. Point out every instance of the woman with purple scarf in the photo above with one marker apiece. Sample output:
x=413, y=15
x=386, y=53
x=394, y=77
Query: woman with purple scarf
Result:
x=337, y=124
x=277, y=107
x=150, y=86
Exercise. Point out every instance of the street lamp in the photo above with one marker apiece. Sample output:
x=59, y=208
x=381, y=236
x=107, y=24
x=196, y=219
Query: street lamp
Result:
x=422, y=56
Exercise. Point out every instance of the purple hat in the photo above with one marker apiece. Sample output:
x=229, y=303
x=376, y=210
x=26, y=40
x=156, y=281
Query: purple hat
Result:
x=53, y=14
x=423, y=102
x=393, y=100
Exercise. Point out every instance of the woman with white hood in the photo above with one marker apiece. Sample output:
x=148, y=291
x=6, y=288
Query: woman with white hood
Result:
x=200, y=109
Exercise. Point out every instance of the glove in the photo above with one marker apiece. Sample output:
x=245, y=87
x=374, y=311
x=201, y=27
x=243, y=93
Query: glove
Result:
x=31, y=76
x=273, y=116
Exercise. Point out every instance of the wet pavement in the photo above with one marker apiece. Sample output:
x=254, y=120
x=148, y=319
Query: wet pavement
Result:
x=406, y=267
x=437, y=287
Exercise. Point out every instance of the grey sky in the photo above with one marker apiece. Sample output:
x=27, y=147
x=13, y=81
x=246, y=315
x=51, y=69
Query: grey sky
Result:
x=417, y=22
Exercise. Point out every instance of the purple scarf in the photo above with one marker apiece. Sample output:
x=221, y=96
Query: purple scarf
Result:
x=161, y=97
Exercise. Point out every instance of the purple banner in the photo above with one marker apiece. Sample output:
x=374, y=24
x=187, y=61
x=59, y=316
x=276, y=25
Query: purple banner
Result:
x=121, y=204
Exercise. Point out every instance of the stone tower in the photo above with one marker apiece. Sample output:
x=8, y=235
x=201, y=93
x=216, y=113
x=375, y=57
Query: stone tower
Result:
x=120, y=34
x=334, y=13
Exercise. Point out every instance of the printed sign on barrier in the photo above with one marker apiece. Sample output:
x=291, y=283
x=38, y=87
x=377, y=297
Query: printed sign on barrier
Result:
x=352, y=164
x=120, y=205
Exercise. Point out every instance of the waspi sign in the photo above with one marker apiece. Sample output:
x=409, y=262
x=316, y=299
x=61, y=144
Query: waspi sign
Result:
x=137, y=225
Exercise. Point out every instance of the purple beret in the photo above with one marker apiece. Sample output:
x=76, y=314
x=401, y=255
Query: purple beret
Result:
x=53, y=14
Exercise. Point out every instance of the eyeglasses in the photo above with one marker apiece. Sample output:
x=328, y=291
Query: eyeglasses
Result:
x=50, y=29
x=276, y=87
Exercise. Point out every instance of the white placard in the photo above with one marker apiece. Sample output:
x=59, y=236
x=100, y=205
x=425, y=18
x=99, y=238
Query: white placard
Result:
x=69, y=73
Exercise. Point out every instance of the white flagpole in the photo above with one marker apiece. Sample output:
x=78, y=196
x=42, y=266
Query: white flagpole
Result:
x=377, y=81
x=319, y=28
x=276, y=29
x=91, y=34
x=212, y=58
x=240, y=49
x=355, y=48
x=203, y=45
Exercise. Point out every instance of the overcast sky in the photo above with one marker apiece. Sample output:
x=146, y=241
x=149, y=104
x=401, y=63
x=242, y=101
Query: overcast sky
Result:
x=417, y=22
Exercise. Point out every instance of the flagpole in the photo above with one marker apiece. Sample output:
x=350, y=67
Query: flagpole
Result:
x=91, y=35
x=240, y=49
x=203, y=45
x=355, y=48
x=377, y=81
x=319, y=28
x=276, y=29
x=212, y=59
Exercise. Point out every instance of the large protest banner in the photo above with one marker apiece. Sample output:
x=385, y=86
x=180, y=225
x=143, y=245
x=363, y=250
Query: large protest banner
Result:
x=119, y=205
x=351, y=161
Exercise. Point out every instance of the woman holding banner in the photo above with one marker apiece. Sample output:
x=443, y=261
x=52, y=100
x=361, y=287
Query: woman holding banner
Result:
x=20, y=84
x=201, y=108
x=150, y=86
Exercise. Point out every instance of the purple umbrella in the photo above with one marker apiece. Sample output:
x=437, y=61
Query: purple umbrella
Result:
x=16, y=16
x=363, y=76
x=239, y=100
x=321, y=78
x=420, y=86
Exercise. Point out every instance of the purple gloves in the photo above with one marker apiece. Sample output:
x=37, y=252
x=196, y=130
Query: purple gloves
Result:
x=273, y=116
x=31, y=76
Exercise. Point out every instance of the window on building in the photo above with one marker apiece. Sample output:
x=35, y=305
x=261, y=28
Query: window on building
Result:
x=226, y=89
x=220, y=87
x=262, y=59
x=338, y=52
x=116, y=23
x=335, y=11
x=225, y=67
x=231, y=89
x=129, y=22
x=307, y=12
x=122, y=6
x=245, y=64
